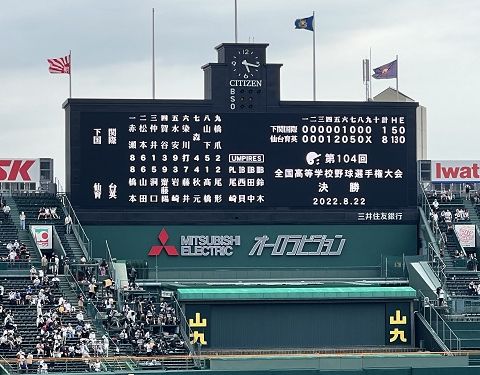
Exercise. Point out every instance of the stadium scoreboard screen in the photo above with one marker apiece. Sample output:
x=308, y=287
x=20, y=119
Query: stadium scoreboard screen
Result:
x=242, y=149
x=230, y=160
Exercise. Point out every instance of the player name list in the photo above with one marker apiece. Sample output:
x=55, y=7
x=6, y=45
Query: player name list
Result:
x=255, y=160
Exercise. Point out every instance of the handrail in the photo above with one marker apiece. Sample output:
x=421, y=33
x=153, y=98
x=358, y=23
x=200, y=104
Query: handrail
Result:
x=437, y=264
x=191, y=348
x=89, y=303
x=32, y=240
x=424, y=303
x=5, y=361
x=435, y=254
x=109, y=259
x=55, y=234
x=80, y=234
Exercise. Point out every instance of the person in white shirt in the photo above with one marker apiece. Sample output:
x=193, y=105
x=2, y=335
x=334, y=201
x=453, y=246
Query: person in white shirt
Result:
x=435, y=204
x=106, y=345
x=12, y=255
x=53, y=212
x=68, y=224
x=80, y=317
x=23, y=217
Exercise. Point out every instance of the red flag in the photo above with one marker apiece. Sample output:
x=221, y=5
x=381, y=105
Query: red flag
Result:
x=59, y=65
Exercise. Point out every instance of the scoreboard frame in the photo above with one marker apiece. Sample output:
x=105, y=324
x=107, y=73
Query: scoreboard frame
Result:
x=75, y=108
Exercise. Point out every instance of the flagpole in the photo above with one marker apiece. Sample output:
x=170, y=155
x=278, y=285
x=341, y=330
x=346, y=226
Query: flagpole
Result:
x=153, y=53
x=397, y=78
x=314, y=72
x=236, y=22
x=370, y=75
x=70, y=74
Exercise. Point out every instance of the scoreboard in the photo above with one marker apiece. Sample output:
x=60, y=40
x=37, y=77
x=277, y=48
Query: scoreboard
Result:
x=331, y=158
x=241, y=154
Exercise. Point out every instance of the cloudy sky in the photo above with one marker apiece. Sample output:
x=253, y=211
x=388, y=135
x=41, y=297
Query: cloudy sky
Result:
x=436, y=40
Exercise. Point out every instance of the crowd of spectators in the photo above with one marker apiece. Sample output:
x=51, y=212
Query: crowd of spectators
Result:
x=47, y=213
x=62, y=330
x=446, y=215
x=473, y=288
x=151, y=328
x=16, y=251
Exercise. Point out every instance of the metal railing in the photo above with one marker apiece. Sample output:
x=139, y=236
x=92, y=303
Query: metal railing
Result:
x=90, y=307
x=183, y=324
x=436, y=264
x=6, y=365
x=437, y=247
x=78, y=231
x=109, y=260
x=438, y=324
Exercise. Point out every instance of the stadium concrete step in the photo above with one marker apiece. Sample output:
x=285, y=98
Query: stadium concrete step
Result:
x=75, y=248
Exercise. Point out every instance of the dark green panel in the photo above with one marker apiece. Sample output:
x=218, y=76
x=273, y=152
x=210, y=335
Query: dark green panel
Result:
x=364, y=245
x=280, y=325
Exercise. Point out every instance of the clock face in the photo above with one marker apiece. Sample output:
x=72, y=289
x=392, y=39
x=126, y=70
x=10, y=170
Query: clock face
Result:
x=245, y=63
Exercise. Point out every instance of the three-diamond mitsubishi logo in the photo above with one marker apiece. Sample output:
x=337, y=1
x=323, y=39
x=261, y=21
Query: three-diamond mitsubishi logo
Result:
x=157, y=249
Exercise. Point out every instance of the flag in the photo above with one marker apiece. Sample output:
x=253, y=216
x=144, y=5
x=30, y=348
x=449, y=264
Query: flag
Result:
x=304, y=23
x=59, y=65
x=386, y=71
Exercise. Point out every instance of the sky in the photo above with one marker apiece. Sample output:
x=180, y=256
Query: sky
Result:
x=436, y=41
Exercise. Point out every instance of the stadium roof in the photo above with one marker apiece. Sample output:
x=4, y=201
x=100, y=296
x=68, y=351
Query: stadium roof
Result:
x=288, y=293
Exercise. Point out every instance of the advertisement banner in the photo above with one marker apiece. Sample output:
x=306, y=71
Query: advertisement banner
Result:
x=466, y=234
x=20, y=170
x=257, y=246
x=42, y=234
x=455, y=171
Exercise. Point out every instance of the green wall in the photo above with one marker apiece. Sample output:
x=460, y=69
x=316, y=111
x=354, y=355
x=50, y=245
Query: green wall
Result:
x=364, y=245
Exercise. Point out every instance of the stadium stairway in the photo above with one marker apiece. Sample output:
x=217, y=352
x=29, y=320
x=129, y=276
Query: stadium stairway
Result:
x=69, y=243
x=468, y=331
x=472, y=212
x=30, y=204
x=22, y=235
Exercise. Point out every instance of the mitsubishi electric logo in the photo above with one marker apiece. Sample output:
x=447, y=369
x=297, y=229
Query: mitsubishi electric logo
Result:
x=224, y=245
x=157, y=249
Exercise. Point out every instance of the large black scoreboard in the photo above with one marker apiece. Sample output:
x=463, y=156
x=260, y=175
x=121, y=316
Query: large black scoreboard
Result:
x=243, y=149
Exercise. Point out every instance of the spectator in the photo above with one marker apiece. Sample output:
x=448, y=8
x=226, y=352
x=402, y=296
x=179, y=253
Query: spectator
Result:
x=441, y=296
x=41, y=213
x=435, y=204
x=22, y=220
x=91, y=291
x=132, y=276
x=12, y=256
x=44, y=263
x=56, y=264
x=53, y=212
x=467, y=191
x=68, y=224
x=80, y=302
x=6, y=211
